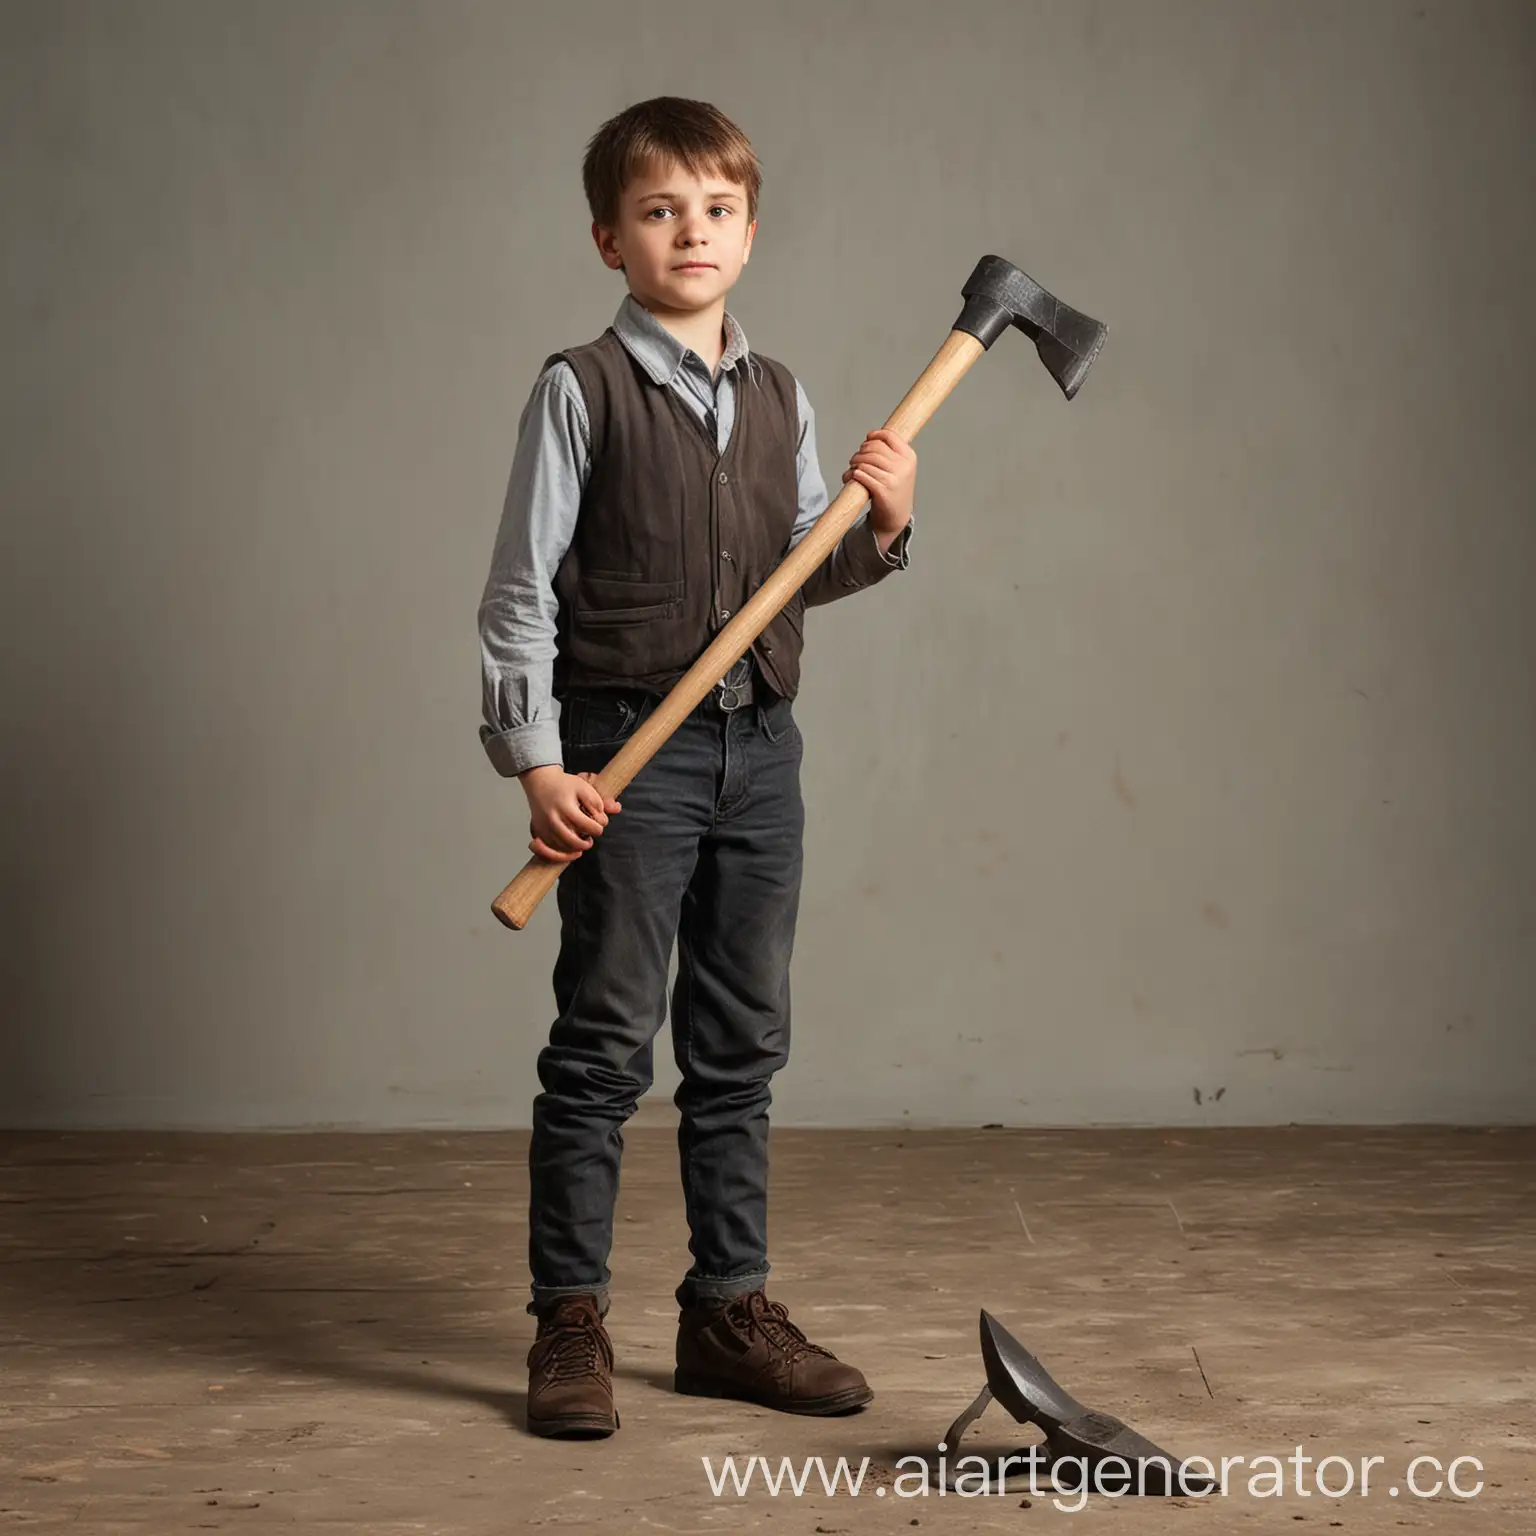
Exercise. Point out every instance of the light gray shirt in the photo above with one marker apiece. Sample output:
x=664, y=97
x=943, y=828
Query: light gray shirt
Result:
x=520, y=728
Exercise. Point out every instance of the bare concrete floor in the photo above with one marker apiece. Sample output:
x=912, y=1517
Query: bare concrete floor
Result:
x=326, y=1332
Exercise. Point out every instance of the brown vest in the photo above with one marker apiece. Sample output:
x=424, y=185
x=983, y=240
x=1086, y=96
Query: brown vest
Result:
x=673, y=537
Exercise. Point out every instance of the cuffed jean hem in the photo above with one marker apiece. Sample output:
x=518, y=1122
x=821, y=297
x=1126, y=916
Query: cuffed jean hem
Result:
x=707, y=1290
x=545, y=1296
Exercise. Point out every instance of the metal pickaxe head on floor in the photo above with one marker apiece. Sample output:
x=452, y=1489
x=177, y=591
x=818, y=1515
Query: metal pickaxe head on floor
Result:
x=1081, y=1444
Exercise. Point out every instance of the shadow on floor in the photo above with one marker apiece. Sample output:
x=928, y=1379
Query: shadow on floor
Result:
x=84, y=1269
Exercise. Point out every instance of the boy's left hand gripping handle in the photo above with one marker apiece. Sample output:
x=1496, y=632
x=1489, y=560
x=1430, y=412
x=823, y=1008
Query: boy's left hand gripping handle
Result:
x=534, y=882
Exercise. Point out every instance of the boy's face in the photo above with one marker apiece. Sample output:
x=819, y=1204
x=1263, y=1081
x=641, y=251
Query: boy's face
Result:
x=681, y=239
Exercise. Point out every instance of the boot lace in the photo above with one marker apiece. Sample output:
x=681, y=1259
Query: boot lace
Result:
x=771, y=1319
x=577, y=1349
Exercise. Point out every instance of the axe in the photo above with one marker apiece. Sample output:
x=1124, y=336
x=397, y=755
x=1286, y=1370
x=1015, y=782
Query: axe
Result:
x=997, y=294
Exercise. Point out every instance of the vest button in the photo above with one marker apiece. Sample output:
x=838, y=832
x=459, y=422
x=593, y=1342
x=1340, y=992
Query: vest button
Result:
x=725, y=613
x=725, y=554
x=723, y=477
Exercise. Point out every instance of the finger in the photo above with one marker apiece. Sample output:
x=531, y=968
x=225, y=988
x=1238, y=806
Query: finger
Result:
x=563, y=835
x=550, y=855
x=588, y=818
x=558, y=841
x=579, y=835
x=587, y=799
x=592, y=799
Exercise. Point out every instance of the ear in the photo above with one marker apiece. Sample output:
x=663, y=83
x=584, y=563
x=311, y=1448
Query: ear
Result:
x=746, y=250
x=607, y=243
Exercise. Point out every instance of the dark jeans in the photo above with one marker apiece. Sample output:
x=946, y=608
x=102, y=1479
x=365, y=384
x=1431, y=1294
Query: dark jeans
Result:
x=707, y=852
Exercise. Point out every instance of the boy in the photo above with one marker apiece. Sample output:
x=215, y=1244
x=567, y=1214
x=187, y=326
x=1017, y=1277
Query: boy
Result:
x=661, y=473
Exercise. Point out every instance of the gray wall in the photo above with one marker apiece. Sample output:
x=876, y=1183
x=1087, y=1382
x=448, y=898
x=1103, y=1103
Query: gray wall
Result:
x=1194, y=753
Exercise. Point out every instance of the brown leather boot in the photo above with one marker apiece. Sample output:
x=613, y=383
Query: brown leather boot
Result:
x=749, y=1349
x=570, y=1372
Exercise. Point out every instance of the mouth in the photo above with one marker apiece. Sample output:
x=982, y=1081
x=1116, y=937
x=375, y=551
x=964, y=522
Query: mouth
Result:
x=695, y=266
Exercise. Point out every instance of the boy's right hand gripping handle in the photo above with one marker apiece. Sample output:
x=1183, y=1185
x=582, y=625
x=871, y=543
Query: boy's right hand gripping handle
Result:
x=537, y=878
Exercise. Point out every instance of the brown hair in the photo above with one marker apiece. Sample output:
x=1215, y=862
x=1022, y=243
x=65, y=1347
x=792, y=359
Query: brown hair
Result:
x=698, y=135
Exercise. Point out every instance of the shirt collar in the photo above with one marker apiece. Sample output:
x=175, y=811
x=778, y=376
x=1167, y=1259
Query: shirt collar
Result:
x=658, y=351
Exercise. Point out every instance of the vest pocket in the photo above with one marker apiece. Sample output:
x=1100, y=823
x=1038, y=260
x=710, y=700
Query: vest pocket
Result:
x=614, y=599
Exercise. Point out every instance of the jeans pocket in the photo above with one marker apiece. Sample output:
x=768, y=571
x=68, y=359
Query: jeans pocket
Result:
x=599, y=719
x=779, y=721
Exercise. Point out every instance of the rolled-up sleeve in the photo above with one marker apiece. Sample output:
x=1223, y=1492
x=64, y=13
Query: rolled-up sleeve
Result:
x=520, y=724
x=856, y=561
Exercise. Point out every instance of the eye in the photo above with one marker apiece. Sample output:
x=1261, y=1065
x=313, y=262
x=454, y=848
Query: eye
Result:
x=720, y=208
x=659, y=208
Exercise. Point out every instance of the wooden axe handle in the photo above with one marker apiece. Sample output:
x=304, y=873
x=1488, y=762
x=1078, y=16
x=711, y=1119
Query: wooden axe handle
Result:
x=516, y=903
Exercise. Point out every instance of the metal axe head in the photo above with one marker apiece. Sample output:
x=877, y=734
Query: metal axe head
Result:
x=998, y=295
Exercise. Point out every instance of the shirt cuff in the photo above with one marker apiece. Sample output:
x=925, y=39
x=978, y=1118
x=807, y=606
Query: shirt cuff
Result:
x=523, y=746
x=896, y=556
